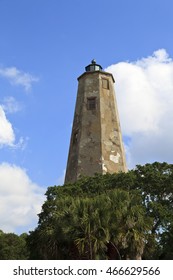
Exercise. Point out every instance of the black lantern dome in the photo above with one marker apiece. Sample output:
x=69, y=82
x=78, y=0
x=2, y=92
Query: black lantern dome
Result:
x=93, y=66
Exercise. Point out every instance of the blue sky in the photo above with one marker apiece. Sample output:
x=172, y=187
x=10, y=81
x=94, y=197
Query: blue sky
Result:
x=44, y=46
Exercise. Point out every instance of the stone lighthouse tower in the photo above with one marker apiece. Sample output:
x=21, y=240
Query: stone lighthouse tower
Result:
x=96, y=141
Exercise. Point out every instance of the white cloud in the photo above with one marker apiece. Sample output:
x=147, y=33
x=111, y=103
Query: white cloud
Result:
x=18, y=77
x=7, y=136
x=10, y=105
x=144, y=90
x=20, y=199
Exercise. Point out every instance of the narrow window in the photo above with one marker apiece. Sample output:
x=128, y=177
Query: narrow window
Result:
x=105, y=83
x=91, y=103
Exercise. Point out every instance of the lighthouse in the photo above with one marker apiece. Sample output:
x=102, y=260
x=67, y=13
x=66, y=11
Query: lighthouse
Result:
x=96, y=144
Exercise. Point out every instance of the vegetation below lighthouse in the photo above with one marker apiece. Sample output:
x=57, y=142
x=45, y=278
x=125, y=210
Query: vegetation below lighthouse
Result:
x=119, y=216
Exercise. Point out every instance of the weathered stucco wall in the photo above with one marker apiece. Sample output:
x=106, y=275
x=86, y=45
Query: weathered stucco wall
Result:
x=113, y=158
x=96, y=143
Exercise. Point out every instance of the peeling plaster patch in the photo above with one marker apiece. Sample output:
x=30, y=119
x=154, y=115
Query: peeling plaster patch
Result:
x=104, y=167
x=115, y=158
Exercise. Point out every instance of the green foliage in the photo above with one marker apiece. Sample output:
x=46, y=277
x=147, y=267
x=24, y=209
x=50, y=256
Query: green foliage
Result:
x=166, y=244
x=82, y=227
x=13, y=247
x=155, y=181
x=113, y=216
x=125, y=215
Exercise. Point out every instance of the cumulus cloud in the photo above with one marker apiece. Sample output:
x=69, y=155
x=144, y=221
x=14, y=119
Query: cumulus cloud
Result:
x=144, y=90
x=20, y=199
x=7, y=136
x=18, y=77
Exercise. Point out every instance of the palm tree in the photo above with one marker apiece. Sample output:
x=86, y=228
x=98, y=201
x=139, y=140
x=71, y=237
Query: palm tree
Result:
x=87, y=228
x=129, y=224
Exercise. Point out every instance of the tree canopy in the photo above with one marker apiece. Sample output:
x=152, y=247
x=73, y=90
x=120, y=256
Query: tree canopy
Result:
x=13, y=247
x=113, y=216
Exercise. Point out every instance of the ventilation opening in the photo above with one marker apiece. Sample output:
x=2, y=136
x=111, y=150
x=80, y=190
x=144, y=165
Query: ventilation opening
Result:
x=91, y=103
